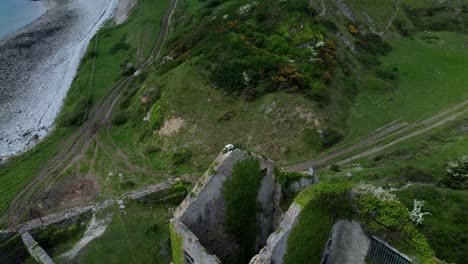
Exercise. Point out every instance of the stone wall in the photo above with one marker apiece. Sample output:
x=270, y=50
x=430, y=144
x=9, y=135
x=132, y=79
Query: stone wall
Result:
x=347, y=244
x=35, y=250
x=276, y=246
x=191, y=246
x=203, y=212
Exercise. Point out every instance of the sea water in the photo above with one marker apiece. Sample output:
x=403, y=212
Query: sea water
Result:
x=15, y=14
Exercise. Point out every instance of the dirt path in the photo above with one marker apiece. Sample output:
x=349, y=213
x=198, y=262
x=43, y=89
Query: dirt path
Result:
x=385, y=133
x=85, y=137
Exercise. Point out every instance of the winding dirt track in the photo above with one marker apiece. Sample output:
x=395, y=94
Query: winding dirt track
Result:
x=87, y=136
x=402, y=131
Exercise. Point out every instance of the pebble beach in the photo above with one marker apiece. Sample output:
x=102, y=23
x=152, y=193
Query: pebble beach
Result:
x=37, y=66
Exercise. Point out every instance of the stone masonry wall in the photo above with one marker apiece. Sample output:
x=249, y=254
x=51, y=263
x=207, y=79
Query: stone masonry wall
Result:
x=203, y=212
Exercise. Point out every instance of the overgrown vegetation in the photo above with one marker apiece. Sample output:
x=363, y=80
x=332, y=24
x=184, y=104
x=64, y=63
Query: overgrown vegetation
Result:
x=422, y=163
x=143, y=230
x=322, y=205
x=284, y=178
x=251, y=48
x=380, y=214
x=240, y=194
x=457, y=173
x=390, y=219
x=56, y=239
x=444, y=228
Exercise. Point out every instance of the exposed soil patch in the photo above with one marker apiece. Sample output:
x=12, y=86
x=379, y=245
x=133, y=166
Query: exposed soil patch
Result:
x=172, y=126
x=69, y=193
x=123, y=10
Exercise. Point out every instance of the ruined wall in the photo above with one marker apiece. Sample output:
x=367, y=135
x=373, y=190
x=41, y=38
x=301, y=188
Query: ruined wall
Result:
x=347, y=244
x=276, y=246
x=203, y=212
x=35, y=250
x=186, y=247
x=269, y=197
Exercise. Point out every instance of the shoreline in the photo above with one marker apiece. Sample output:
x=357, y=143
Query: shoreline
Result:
x=44, y=6
x=37, y=66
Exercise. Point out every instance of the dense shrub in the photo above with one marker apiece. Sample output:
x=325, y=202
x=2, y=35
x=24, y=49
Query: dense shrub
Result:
x=387, y=74
x=180, y=158
x=413, y=174
x=119, y=118
x=127, y=184
x=457, y=173
x=121, y=45
x=330, y=138
x=370, y=46
x=53, y=238
x=312, y=138
x=76, y=114
x=253, y=52
x=373, y=44
x=390, y=219
x=284, y=178
x=335, y=168
x=240, y=194
x=327, y=139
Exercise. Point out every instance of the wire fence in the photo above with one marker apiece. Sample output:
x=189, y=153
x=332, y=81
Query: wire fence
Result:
x=381, y=252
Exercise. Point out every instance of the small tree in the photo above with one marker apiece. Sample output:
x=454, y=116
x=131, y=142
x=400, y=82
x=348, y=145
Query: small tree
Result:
x=36, y=212
x=457, y=173
x=416, y=216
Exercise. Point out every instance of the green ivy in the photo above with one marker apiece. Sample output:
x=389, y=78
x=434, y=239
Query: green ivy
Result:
x=284, y=178
x=240, y=194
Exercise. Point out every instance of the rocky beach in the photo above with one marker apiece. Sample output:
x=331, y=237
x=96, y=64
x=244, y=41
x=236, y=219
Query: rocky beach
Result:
x=37, y=66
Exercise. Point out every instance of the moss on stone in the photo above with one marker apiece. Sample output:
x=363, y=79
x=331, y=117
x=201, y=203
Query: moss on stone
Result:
x=176, y=245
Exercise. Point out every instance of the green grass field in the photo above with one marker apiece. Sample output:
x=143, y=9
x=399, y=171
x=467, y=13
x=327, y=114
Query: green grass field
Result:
x=431, y=78
x=139, y=236
x=19, y=171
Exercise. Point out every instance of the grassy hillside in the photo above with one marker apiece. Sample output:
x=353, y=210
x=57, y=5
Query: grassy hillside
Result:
x=426, y=76
x=422, y=163
x=287, y=80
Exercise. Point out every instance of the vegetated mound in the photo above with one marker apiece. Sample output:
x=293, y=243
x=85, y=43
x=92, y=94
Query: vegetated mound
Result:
x=379, y=211
x=279, y=77
x=259, y=74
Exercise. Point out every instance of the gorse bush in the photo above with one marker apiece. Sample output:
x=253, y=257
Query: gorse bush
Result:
x=75, y=115
x=253, y=48
x=180, y=158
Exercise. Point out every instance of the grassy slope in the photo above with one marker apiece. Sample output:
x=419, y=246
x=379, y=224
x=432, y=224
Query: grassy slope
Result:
x=271, y=126
x=429, y=155
x=431, y=78
x=21, y=170
x=321, y=205
x=135, y=237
